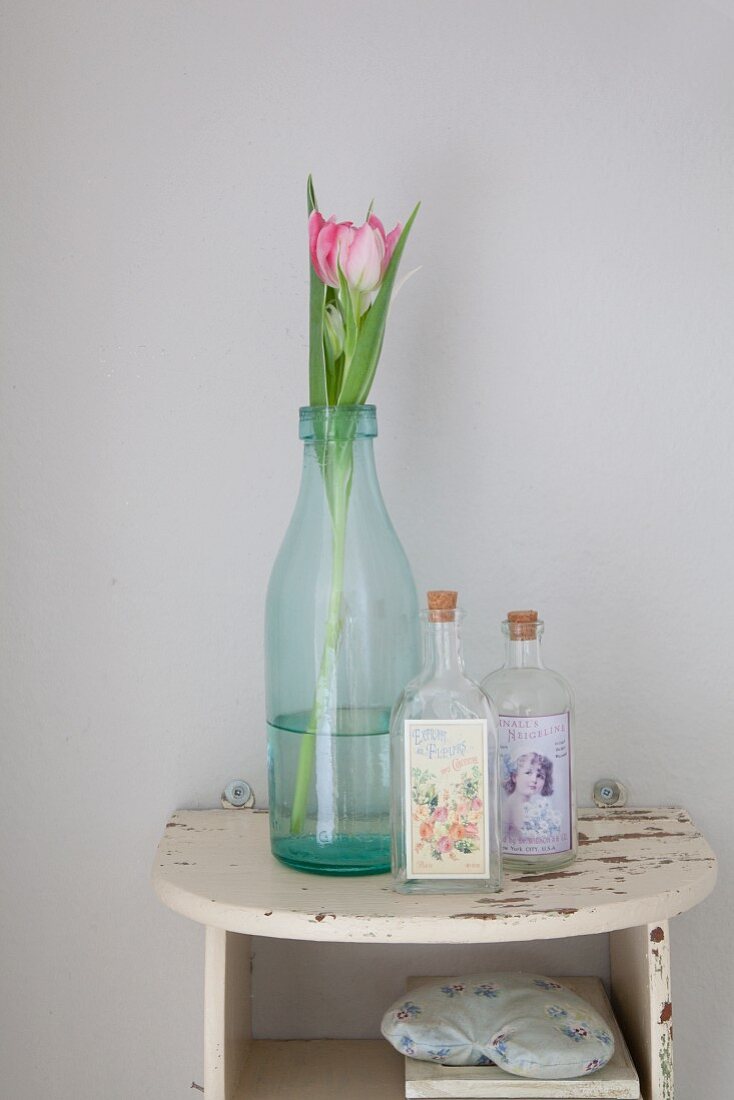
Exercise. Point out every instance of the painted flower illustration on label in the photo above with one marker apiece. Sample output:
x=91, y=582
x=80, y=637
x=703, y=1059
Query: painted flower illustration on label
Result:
x=446, y=777
x=448, y=818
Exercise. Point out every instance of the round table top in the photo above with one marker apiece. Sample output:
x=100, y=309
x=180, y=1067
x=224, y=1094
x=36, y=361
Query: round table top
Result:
x=635, y=867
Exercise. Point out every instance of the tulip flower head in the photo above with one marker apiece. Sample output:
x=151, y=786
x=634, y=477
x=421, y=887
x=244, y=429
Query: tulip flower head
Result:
x=353, y=271
x=361, y=254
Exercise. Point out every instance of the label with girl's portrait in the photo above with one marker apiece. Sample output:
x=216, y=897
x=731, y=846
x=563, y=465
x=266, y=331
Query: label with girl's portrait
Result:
x=535, y=778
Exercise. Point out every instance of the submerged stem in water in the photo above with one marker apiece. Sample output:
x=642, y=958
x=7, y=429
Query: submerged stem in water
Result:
x=336, y=468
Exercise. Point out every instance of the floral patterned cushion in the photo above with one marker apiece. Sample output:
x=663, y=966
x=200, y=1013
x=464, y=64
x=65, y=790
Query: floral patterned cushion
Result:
x=527, y=1024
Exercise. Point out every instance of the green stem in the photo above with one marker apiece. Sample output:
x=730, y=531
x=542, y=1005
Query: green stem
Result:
x=337, y=472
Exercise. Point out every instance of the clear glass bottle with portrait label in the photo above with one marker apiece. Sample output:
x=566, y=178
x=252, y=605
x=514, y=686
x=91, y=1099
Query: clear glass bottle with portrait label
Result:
x=444, y=769
x=536, y=742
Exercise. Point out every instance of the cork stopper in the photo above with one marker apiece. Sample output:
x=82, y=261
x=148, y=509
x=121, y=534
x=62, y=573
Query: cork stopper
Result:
x=523, y=625
x=442, y=606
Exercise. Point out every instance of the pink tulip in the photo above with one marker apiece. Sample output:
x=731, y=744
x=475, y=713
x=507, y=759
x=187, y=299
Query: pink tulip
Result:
x=362, y=254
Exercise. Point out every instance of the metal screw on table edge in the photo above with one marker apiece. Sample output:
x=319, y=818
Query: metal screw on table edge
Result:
x=610, y=792
x=238, y=795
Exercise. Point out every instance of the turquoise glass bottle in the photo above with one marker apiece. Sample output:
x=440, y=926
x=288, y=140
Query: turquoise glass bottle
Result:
x=341, y=640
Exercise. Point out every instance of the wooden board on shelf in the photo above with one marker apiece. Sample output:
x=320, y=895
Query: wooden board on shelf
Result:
x=618, y=1080
x=322, y=1069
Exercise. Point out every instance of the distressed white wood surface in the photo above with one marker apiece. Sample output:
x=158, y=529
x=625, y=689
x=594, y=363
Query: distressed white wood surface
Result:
x=641, y=995
x=616, y=1081
x=635, y=867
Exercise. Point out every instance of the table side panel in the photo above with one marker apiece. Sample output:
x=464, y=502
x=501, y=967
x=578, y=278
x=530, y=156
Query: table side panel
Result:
x=227, y=1011
x=641, y=997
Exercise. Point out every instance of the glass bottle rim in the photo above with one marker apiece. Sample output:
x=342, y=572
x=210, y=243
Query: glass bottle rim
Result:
x=337, y=422
x=538, y=626
x=457, y=616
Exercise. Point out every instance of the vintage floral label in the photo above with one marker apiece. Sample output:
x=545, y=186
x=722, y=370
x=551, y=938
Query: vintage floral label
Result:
x=446, y=821
x=535, y=778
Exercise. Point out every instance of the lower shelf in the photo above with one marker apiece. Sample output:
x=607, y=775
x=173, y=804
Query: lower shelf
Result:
x=362, y=1069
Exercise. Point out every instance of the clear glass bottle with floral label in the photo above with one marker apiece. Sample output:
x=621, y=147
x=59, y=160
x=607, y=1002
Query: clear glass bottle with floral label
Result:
x=444, y=769
x=536, y=732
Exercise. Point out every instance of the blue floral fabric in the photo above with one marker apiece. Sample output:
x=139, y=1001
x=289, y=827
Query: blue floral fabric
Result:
x=527, y=1024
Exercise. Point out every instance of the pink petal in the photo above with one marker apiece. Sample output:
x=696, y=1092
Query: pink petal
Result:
x=327, y=252
x=315, y=225
x=341, y=247
x=362, y=261
x=375, y=222
x=390, y=241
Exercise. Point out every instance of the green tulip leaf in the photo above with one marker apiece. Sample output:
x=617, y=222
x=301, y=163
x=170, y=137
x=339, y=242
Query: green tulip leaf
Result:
x=311, y=196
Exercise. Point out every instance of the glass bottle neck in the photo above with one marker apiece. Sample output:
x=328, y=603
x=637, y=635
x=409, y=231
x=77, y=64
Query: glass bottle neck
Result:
x=338, y=452
x=442, y=651
x=523, y=653
x=350, y=466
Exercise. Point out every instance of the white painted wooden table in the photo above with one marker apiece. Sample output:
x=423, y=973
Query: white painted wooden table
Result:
x=636, y=870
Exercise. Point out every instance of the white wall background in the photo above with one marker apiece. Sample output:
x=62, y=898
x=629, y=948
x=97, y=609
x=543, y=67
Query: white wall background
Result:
x=555, y=403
